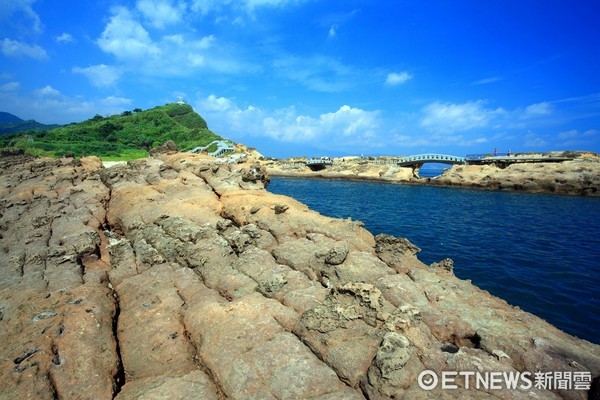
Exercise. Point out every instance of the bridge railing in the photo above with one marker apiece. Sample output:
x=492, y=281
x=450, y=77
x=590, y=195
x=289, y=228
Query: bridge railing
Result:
x=441, y=158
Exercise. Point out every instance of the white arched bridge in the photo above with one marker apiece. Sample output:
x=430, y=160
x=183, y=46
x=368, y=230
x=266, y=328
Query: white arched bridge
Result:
x=431, y=158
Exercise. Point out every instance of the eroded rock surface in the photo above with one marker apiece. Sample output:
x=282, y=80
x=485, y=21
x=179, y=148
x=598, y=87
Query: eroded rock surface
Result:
x=580, y=176
x=178, y=277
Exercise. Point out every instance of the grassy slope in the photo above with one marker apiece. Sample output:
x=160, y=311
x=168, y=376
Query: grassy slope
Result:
x=126, y=136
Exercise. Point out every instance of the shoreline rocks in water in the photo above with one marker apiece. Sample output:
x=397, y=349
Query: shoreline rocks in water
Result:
x=580, y=176
x=175, y=277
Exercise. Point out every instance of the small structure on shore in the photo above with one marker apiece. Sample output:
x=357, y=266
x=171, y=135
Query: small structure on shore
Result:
x=223, y=147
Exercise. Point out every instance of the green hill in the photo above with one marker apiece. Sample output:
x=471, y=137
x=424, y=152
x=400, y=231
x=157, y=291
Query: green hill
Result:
x=10, y=123
x=131, y=134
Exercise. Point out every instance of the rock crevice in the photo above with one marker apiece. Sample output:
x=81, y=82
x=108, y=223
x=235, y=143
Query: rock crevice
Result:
x=178, y=277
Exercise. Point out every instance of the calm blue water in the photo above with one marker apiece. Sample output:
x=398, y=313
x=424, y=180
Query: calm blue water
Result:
x=540, y=252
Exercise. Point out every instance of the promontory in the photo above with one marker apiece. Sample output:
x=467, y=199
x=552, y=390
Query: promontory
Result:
x=576, y=173
x=177, y=277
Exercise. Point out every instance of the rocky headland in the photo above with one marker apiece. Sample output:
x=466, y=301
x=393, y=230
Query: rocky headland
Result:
x=360, y=168
x=580, y=176
x=177, y=277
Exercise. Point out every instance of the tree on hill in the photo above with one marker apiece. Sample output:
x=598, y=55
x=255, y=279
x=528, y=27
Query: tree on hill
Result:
x=126, y=135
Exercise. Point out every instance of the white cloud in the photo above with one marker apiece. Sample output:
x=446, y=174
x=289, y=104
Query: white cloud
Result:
x=204, y=43
x=10, y=86
x=578, y=140
x=100, y=75
x=161, y=13
x=50, y=106
x=397, y=78
x=591, y=133
x=47, y=91
x=126, y=38
x=436, y=140
x=489, y=80
x=206, y=6
x=332, y=31
x=169, y=55
x=13, y=48
x=569, y=134
x=538, y=109
x=574, y=133
x=65, y=38
x=248, y=6
x=12, y=10
x=448, y=117
x=347, y=125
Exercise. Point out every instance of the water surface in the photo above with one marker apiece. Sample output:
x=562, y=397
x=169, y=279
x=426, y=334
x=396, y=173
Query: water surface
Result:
x=540, y=252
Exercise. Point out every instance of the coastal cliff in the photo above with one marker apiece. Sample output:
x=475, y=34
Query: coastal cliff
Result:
x=180, y=277
x=580, y=176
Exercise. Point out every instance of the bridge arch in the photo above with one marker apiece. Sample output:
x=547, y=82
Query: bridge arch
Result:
x=430, y=158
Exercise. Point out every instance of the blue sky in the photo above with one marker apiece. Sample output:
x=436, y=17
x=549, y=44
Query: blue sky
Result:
x=307, y=77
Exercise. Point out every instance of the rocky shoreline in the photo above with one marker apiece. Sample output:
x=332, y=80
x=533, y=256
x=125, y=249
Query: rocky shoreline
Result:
x=580, y=176
x=177, y=277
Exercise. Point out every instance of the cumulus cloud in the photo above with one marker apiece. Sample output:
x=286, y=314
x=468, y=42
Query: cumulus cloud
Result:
x=161, y=13
x=65, y=38
x=100, y=75
x=397, y=78
x=13, y=48
x=449, y=117
x=168, y=55
x=346, y=125
x=125, y=37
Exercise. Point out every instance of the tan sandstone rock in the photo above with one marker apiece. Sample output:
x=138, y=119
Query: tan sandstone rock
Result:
x=182, y=277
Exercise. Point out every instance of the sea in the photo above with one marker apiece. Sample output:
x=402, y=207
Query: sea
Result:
x=540, y=252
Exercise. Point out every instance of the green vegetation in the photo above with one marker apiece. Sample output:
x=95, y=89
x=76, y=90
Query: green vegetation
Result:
x=129, y=135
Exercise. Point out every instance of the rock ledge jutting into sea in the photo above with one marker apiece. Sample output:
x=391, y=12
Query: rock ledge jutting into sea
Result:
x=580, y=176
x=177, y=277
